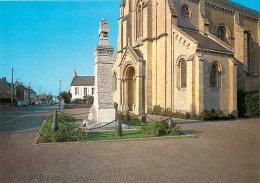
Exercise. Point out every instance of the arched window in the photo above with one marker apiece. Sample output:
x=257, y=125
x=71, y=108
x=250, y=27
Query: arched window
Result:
x=185, y=11
x=139, y=18
x=221, y=33
x=114, y=82
x=183, y=74
x=248, y=50
x=215, y=80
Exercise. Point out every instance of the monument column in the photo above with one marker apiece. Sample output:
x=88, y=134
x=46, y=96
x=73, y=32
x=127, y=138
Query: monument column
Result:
x=103, y=109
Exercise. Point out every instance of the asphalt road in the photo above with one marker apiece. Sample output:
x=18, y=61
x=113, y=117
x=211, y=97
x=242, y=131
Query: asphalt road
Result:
x=22, y=118
x=225, y=151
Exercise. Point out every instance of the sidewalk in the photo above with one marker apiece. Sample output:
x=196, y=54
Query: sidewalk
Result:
x=78, y=113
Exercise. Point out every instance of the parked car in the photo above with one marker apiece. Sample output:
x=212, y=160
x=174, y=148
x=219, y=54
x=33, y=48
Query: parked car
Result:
x=51, y=102
x=21, y=103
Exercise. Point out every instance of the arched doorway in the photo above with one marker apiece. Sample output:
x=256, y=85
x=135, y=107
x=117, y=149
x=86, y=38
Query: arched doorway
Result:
x=130, y=78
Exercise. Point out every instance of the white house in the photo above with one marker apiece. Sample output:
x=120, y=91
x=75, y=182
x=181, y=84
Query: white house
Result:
x=81, y=86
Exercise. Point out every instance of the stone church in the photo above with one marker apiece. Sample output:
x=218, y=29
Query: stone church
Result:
x=185, y=55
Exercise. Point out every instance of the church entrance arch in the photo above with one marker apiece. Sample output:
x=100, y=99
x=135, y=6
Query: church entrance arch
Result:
x=130, y=87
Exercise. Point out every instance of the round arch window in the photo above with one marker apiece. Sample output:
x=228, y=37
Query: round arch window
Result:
x=185, y=11
x=221, y=33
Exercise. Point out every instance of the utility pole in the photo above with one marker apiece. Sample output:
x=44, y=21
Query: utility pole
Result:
x=60, y=87
x=59, y=93
x=12, y=88
x=29, y=102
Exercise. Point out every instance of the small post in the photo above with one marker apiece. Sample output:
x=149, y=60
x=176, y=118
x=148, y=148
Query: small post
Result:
x=127, y=115
x=170, y=122
x=118, y=127
x=54, y=123
x=144, y=118
x=116, y=115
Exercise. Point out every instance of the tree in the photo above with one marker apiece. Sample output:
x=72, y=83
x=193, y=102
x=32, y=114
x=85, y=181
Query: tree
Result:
x=49, y=97
x=66, y=96
x=88, y=99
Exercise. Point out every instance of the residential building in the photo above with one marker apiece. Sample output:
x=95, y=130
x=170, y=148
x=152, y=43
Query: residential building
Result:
x=81, y=86
x=22, y=93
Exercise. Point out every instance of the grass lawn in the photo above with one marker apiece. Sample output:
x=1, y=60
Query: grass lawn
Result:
x=126, y=134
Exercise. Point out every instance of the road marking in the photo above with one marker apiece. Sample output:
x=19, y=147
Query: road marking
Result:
x=15, y=119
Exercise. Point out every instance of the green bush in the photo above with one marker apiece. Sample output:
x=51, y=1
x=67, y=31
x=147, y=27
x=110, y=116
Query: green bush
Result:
x=61, y=117
x=248, y=104
x=160, y=128
x=157, y=109
x=252, y=103
x=63, y=134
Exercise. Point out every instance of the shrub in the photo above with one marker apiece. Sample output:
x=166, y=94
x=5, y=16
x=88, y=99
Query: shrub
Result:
x=159, y=128
x=252, y=103
x=61, y=117
x=248, y=104
x=176, y=130
x=157, y=109
x=63, y=134
x=66, y=132
x=241, y=104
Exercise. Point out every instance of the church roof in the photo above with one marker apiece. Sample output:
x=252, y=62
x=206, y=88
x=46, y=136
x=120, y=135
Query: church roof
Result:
x=205, y=42
x=83, y=81
x=236, y=7
x=122, y=3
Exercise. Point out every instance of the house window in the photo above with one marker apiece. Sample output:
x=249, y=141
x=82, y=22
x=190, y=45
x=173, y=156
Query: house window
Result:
x=93, y=90
x=139, y=18
x=85, y=91
x=76, y=90
x=221, y=33
x=248, y=51
x=215, y=80
x=185, y=11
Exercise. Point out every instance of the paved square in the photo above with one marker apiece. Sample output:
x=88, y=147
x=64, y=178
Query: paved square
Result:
x=225, y=151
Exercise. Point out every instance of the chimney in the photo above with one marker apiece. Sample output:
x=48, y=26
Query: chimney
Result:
x=4, y=78
x=75, y=74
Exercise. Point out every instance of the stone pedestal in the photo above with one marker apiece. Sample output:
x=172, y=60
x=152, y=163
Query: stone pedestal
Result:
x=103, y=110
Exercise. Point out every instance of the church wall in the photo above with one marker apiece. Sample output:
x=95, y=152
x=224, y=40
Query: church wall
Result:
x=191, y=23
x=246, y=82
x=217, y=18
x=217, y=98
x=182, y=102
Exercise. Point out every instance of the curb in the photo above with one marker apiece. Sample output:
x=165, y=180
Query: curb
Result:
x=35, y=142
x=36, y=138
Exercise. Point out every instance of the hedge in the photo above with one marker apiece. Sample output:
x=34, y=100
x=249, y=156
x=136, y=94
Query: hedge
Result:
x=248, y=104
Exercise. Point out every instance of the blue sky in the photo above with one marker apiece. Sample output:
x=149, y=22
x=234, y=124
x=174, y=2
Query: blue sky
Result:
x=45, y=41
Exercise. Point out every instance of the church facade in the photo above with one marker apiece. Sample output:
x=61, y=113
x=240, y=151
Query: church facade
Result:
x=185, y=55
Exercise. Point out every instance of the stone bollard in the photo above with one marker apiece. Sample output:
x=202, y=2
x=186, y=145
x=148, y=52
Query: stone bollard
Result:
x=118, y=128
x=116, y=114
x=170, y=122
x=144, y=118
x=54, y=123
x=127, y=115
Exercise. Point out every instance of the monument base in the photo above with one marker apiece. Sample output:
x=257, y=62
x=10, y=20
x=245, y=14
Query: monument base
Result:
x=101, y=115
